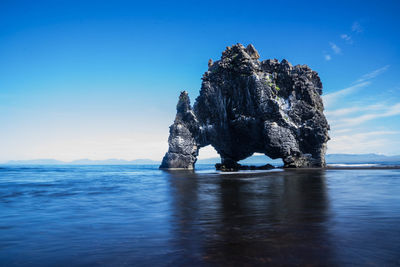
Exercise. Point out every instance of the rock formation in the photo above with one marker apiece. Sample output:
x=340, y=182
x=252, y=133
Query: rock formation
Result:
x=247, y=106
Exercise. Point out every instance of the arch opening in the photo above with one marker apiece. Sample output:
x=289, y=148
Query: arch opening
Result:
x=259, y=159
x=208, y=155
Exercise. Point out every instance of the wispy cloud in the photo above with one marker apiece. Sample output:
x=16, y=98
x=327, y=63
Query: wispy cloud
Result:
x=330, y=99
x=368, y=134
x=384, y=111
x=336, y=49
x=373, y=74
x=346, y=111
x=365, y=80
x=356, y=27
x=348, y=124
x=365, y=142
x=327, y=57
x=347, y=38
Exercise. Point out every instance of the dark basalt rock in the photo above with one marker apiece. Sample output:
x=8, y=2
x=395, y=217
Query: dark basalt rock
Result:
x=239, y=167
x=247, y=106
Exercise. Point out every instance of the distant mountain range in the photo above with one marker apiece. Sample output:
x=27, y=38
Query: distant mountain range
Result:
x=254, y=160
x=83, y=162
x=330, y=159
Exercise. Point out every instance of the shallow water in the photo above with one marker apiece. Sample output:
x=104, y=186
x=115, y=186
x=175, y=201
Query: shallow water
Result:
x=138, y=215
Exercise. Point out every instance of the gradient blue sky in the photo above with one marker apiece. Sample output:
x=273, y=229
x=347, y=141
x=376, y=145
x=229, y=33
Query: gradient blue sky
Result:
x=100, y=79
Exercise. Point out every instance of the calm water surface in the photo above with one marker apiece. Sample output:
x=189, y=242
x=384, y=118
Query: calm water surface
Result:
x=140, y=216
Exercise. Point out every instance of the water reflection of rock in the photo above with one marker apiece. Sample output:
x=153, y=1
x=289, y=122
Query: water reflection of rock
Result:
x=186, y=241
x=275, y=218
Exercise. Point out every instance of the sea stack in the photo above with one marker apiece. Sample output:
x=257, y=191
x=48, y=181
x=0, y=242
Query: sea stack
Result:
x=249, y=106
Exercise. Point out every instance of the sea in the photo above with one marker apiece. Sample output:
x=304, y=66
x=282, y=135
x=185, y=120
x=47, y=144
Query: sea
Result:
x=141, y=216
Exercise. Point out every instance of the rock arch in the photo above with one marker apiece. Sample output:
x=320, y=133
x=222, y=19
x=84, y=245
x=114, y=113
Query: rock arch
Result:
x=246, y=106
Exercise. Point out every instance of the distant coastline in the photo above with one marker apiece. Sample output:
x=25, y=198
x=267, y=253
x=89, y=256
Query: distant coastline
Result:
x=255, y=160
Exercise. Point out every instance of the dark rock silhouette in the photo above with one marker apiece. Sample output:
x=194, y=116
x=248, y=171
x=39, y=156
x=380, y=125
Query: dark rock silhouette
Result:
x=247, y=106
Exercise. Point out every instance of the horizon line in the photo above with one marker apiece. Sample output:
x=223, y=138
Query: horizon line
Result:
x=159, y=161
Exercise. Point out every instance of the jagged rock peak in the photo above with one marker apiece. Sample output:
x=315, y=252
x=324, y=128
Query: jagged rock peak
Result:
x=239, y=49
x=183, y=103
x=247, y=106
x=252, y=52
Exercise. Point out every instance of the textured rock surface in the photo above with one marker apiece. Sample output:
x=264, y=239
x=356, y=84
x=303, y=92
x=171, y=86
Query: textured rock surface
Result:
x=247, y=106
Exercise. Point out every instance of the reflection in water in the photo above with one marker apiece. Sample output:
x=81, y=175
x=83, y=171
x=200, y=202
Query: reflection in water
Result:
x=277, y=217
x=185, y=195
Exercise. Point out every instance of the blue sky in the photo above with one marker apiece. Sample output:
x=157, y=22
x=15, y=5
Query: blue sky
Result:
x=100, y=79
